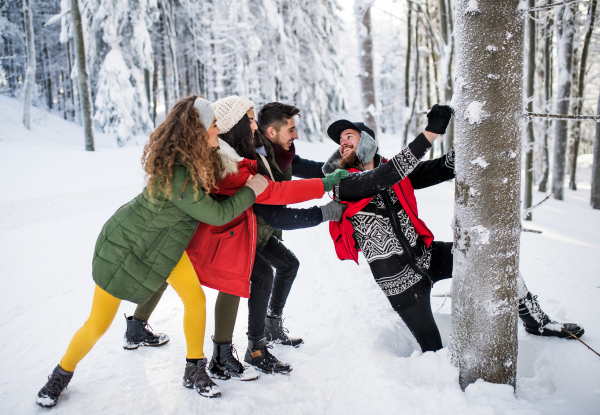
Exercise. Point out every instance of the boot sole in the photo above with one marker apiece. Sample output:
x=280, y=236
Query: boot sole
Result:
x=191, y=386
x=137, y=345
x=562, y=335
x=273, y=372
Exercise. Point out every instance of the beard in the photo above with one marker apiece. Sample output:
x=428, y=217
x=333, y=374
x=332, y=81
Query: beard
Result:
x=350, y=159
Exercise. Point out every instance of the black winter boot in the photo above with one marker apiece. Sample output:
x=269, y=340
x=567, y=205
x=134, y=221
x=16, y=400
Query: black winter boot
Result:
x=139, y=333
x=57, y=382
x=195, y=377
x=538, y=323
x=258, y=355
x=276, y=333
x=224, y=365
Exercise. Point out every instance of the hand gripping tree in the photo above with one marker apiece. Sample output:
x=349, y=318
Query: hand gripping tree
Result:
x=487, y=225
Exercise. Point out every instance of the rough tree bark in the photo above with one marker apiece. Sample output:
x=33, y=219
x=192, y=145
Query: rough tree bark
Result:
x=408, y=51
x=578, y=102
x=531, y=34
x=543, y=186
x=362, y=11
x=487, y=224
x=563, y=99
x=85, y=96
x=595, y=196
x=31, y=63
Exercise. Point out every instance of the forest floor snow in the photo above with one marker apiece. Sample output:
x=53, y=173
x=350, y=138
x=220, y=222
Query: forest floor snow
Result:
x=358, y=357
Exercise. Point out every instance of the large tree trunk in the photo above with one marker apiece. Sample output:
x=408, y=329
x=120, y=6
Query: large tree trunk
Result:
x=563, y=99
x=85, y=96
x=362, y=10
x=31, y=63
x=487, y=224
x=595, y=196
x=578, y=102
x=543, y=186
x=531, y=33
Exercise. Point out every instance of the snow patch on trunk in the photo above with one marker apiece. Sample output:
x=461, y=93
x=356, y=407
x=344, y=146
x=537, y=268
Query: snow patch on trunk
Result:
x=480, y=161
x=475, y=113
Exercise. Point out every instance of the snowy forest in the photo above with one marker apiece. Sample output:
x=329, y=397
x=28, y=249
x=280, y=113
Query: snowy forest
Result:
x=83, y=84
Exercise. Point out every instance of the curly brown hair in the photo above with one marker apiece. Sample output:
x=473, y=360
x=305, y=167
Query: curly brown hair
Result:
x=183, y=137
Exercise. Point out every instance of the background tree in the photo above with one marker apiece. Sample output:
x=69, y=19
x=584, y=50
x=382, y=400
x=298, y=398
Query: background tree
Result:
x=31, y=63
x=85, y=95
x=595, y=194
x=487, y=224
x=566, y=34
x=531, y=37
x=362, y=10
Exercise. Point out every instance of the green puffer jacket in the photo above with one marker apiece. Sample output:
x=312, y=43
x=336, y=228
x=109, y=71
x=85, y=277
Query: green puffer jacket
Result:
x=264, y=230
x=142, y=242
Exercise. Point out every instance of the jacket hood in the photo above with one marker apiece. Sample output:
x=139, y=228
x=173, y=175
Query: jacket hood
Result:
x=229, y=158
x=365, y=151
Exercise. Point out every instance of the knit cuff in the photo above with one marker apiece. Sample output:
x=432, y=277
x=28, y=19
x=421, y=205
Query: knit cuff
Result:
x=419, y=146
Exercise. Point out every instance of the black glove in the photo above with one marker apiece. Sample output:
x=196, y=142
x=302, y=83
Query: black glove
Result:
x=438, y=118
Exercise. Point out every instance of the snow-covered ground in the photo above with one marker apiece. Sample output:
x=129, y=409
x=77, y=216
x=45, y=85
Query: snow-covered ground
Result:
x=358, y=356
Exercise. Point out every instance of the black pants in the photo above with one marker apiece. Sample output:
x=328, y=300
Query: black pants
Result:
x=264, y=286
x=419, y=317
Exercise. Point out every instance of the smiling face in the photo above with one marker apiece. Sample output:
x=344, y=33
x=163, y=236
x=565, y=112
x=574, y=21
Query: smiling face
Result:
x=349, y=141
x=213, y=131
x=286, y=134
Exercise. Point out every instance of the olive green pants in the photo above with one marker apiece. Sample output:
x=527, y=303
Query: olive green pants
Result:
x=226, y=308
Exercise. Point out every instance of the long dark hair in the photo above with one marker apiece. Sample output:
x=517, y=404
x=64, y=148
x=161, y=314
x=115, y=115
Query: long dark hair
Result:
x=242, y=140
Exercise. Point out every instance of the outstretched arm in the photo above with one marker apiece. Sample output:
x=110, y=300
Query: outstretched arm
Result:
x=432, y=172
x=287, y=219
x=365, y=184
x=307, y=169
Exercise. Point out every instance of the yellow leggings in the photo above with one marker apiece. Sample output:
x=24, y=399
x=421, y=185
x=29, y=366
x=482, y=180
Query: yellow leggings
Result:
x=184, y=281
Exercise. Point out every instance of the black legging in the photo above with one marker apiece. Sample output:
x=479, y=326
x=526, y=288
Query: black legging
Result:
x=263, y=286
x=419, y=317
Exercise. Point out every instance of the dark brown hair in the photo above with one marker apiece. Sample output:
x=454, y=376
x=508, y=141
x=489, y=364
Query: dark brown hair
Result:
x=183, y=137
x=275, y=114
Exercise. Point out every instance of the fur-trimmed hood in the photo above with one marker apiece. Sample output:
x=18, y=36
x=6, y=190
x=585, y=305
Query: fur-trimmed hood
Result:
x=365, y=151
x=229, y=158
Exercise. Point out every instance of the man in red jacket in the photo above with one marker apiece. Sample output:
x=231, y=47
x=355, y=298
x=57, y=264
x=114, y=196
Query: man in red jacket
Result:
x=382, y=221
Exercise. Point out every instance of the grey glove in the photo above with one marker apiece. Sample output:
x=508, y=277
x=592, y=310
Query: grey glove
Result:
x=333, y=211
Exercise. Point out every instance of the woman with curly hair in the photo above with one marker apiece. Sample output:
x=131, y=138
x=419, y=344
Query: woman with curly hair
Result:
x=143, y=244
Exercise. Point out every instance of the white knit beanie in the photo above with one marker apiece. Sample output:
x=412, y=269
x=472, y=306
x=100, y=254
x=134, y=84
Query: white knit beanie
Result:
x=230, y=110
x=207, y=113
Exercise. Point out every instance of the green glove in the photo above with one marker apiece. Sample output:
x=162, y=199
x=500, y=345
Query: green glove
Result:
x=334, y=178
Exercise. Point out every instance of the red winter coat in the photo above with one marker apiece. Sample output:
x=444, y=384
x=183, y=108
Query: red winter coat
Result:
x=342, y=232
x=223, y=256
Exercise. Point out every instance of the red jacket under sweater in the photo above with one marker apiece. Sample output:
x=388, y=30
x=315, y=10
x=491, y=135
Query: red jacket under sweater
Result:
x=342, y=232
x=223, y=256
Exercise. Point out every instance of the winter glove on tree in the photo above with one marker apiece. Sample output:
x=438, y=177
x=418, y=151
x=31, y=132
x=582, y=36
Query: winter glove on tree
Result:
x=438, y=119
x=334, y=178
x=333, y=211
x=257, y=183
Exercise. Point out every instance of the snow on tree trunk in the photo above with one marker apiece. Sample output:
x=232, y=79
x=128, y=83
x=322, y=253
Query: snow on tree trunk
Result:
x=578, y=102
x=595, y=196
x=563, y=99
x=531, y=34
x=543, y=186
x=487, y=226
x=85, y=95
x=362, y=10
x=31, y=63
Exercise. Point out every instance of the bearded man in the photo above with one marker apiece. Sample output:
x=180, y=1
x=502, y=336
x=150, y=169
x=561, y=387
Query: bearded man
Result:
x=382, y=221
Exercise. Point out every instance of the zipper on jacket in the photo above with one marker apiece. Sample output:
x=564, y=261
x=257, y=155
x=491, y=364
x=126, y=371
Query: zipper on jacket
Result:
x=160, y=237
x=401, y=238
x=253, y=242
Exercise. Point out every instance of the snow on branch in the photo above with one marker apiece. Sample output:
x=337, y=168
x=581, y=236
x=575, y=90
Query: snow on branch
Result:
x=563, y=116
x=549, y=6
